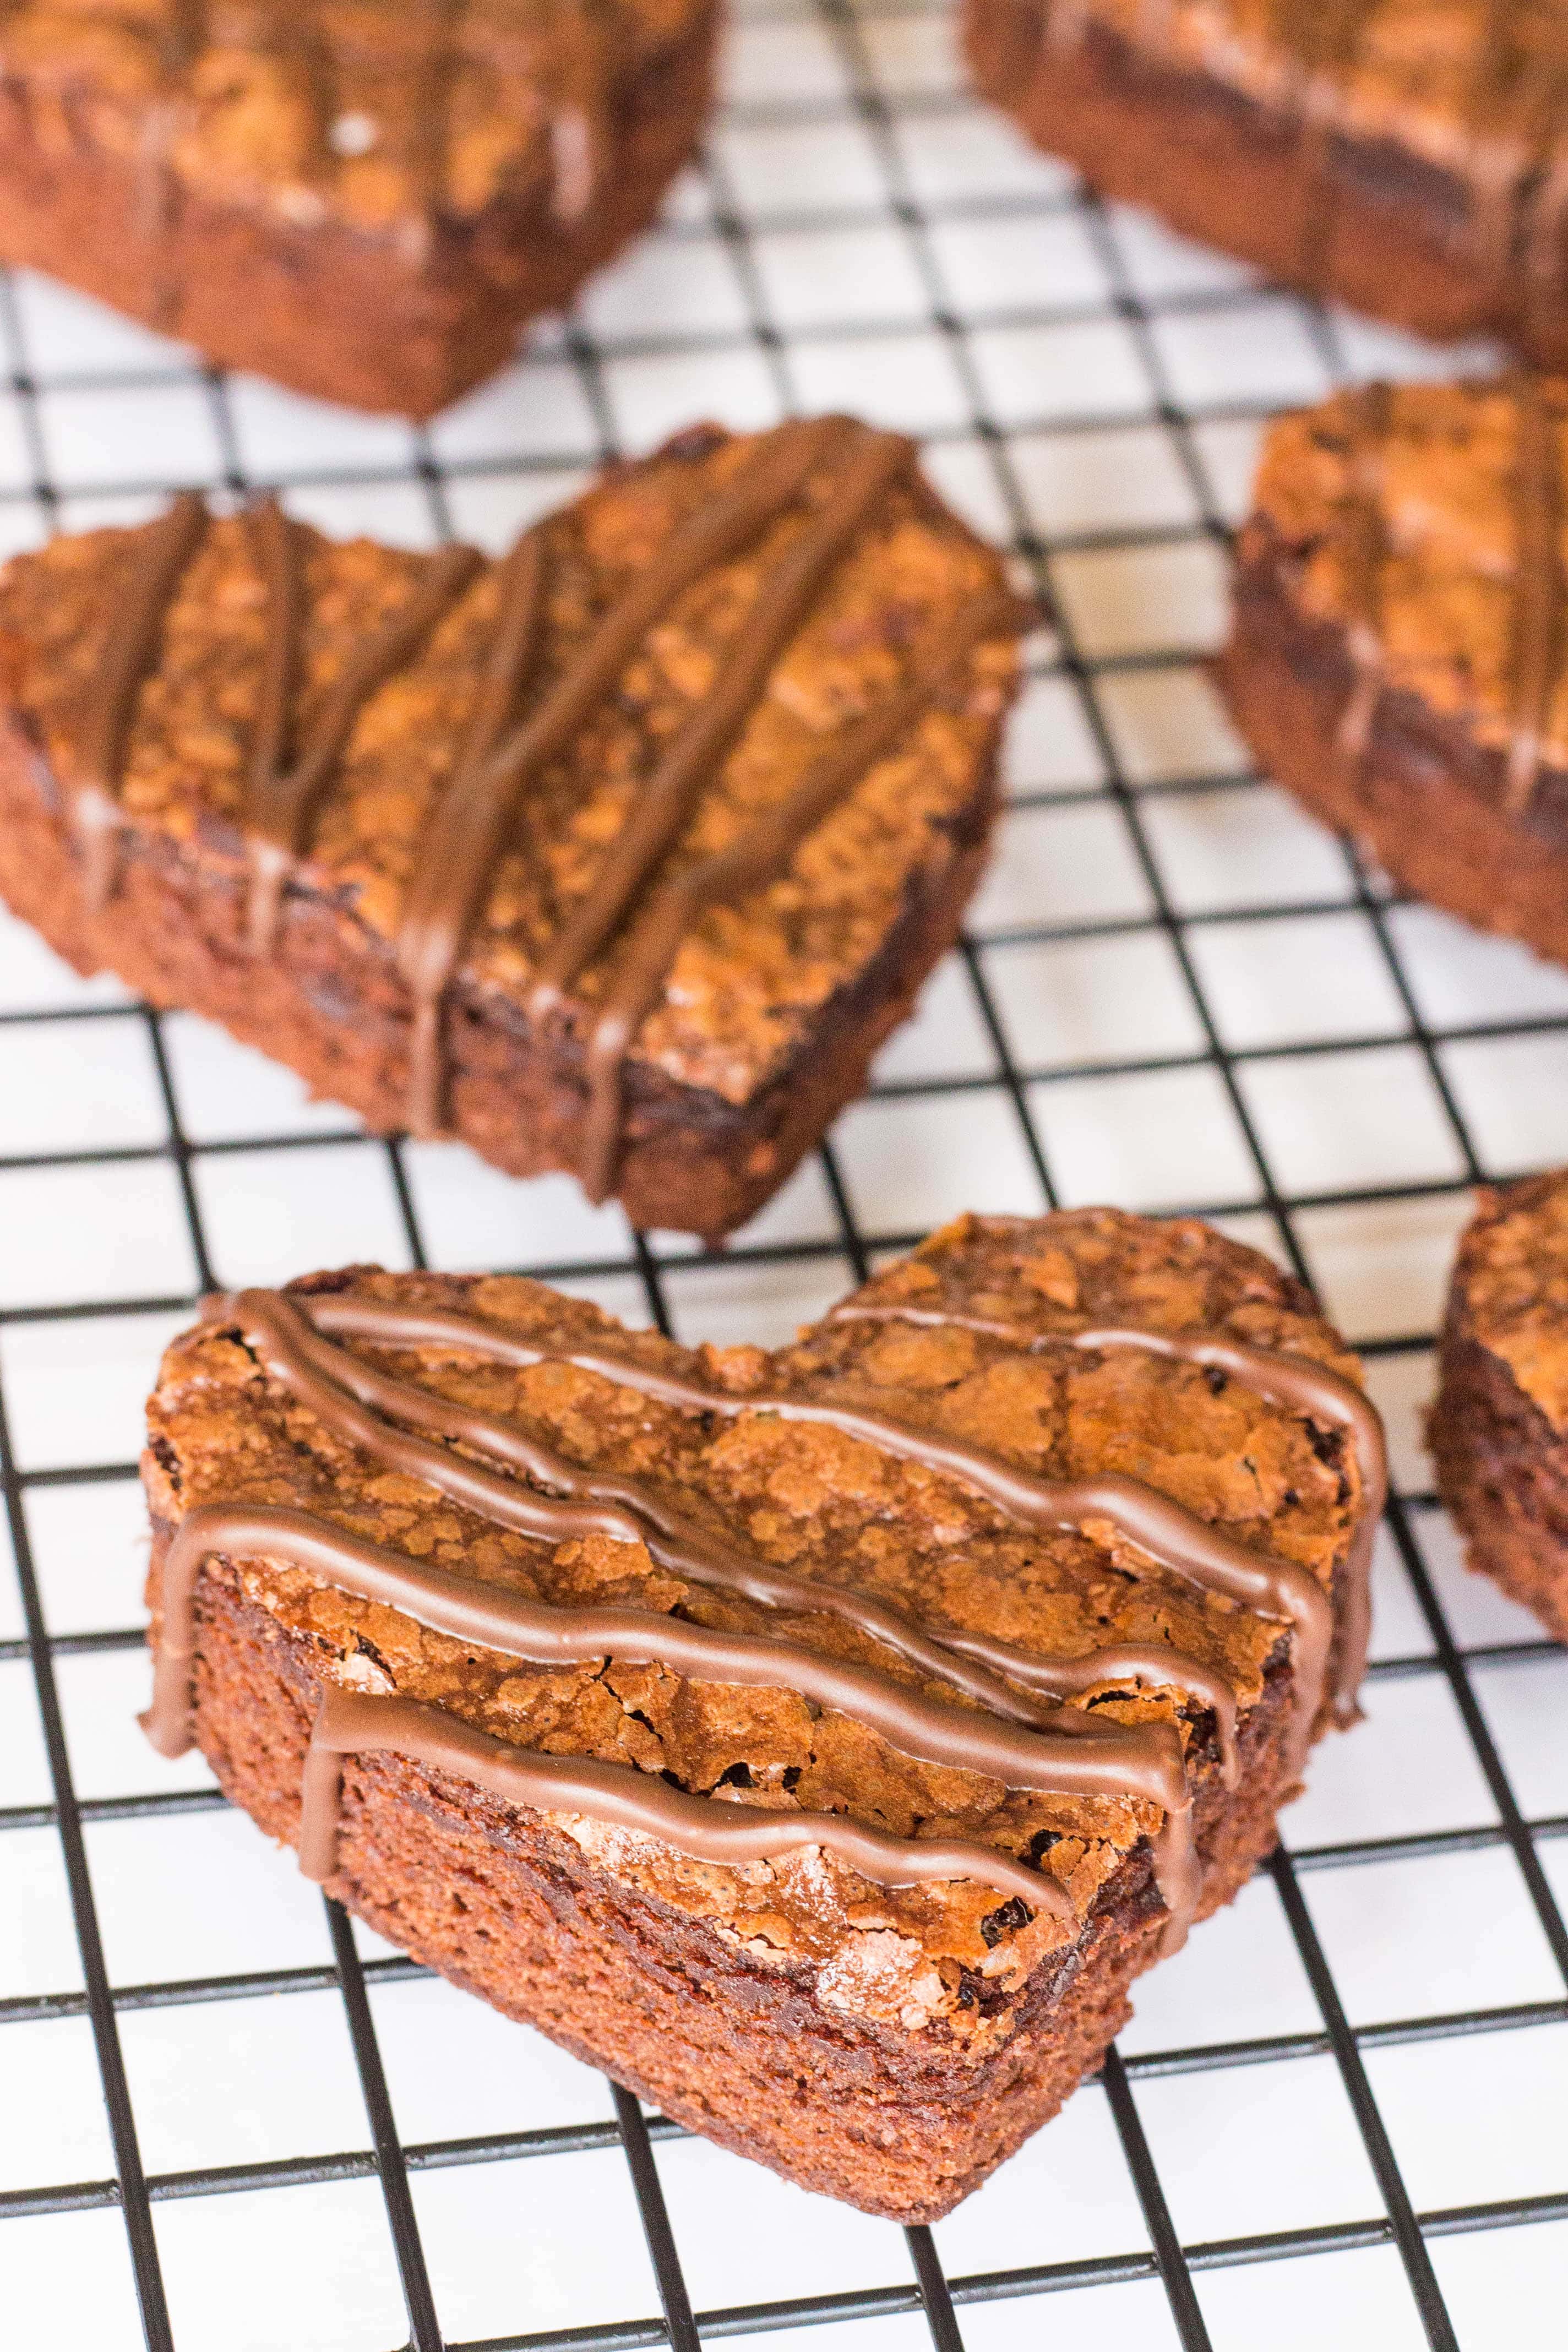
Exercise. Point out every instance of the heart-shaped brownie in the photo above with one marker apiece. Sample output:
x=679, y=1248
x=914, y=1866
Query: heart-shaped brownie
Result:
x=622, y=854
x=819, y=1741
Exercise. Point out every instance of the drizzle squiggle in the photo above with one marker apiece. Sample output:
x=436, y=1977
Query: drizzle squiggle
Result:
x=1172, y=1536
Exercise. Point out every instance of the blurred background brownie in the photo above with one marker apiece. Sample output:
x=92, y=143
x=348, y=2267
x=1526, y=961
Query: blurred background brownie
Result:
x=1408, y=156
x=1499, y=1428
x=621, y=854
x=1397, y=651
x=364, y=199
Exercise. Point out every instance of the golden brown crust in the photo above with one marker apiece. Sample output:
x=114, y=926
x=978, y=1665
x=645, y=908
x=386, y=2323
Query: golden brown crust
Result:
x=939, y=1984
x=1500, y=1427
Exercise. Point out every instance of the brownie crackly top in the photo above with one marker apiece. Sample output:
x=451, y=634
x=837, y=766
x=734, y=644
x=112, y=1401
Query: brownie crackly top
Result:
x=843, y=594
x=375, y=115
x=894, y=1458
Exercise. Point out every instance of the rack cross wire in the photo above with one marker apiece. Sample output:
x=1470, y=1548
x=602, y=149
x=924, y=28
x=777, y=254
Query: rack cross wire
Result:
x=1173, y=992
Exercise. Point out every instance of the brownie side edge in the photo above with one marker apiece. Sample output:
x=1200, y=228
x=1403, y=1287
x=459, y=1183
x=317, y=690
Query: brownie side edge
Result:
x=330, y=1004
x=1220, y=168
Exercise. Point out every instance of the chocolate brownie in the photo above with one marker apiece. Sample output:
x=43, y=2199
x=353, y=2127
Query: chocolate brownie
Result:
x=1409, y=158
x=620, y=854
x=819, y=1741
x=1500, y=1427
x=1397, y=655
x=362, y=198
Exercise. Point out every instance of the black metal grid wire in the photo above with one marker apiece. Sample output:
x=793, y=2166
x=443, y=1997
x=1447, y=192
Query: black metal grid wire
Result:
x=888, y=117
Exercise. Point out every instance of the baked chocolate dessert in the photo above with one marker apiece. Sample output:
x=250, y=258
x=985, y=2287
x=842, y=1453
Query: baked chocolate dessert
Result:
x=365, y=199
x=1500, y=1427
x=821, y=1742
x=622, y=855
x=1397, y=653
x=1410, y=159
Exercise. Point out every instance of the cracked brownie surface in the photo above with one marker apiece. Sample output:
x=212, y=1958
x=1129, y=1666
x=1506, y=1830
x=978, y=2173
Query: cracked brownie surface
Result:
x=952, y=2011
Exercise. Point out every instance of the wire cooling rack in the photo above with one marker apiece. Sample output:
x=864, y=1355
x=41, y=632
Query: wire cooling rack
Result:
x=231, y=2122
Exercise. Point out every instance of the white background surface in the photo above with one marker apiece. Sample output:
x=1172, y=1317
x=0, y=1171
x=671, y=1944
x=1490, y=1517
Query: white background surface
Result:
x=863, y=235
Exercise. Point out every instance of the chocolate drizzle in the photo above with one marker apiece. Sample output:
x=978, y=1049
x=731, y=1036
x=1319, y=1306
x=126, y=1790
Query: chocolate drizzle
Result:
x=157, y=560
x=284, y=800
x=1513, y=164
x=1540, y=593
x=513, y=653
x=279, y=558
x=1298, y=1382
x=1369, y=411
x=365, y=1404
x=470, y=822
x=1172, y=1536
x=1070, y=1753
x=1332, y=33
x=666, y=802
x=1004, y=1734
x=348, y=1723
x=757, y=855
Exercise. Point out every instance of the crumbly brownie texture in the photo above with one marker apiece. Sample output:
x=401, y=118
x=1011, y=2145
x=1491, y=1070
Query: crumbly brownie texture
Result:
x=361, y=198
x=622, y=855
x=1499, y=1428
x=1408, y=156
x=1397, y=653
x=819, y=1741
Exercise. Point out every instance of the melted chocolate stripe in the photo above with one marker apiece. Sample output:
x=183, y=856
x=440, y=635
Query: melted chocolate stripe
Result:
x=280, y=556
x=1540, y=591
x=663, y=804
x=513, y=652
x=282, y=804
x=1502, y=151
x=757, y=856
x=1175, y=1538
x=1143, y=1762
x=349, y=1722
x=297, y=1355
x=1368, y=411
x=157, y=561
x=1301, y=1383
x=469, y=824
